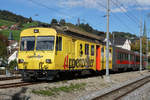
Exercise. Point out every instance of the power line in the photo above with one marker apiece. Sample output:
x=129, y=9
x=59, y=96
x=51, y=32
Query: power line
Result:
x=118, y=18
x=117, y=5
x=52, y=9
x=128, y=12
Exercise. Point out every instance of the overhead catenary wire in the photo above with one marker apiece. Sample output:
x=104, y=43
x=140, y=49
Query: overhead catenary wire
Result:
x=52, y=9
x=122, y=5
x=123, y=10
x=116, y=17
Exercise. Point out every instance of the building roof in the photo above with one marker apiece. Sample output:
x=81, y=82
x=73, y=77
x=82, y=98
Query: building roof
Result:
x=118, y=41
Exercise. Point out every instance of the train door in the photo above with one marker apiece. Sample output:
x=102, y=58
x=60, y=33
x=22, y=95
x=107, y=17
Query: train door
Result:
x=98, y=56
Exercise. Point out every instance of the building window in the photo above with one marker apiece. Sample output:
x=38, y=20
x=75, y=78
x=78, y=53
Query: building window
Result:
x=92, y=50
x=58, y=43
x=86, y=49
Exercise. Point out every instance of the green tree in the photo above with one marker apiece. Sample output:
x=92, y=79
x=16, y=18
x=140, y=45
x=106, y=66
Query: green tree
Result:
x=54, y=22
x=30, y=20
x=62, y=22
x=136, y=45
x=3, y=50
x=3, y=46
x=12, y=64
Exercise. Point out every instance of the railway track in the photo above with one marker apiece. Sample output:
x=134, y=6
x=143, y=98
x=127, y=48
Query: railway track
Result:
x=17, y=84
x=9, y=78
x=123, y=91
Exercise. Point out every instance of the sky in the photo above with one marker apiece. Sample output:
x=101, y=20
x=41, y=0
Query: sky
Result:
x=125, y=15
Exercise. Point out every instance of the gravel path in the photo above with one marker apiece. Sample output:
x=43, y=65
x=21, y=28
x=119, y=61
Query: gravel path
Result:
x=92, y=84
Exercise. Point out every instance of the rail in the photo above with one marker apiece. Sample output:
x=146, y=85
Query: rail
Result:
x=124, y=90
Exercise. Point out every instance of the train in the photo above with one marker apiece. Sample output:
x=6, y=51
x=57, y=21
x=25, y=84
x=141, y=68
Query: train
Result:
x=46, y=53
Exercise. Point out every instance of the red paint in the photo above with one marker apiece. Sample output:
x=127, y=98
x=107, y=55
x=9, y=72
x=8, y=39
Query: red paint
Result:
x=98, y=59
x=66, y=64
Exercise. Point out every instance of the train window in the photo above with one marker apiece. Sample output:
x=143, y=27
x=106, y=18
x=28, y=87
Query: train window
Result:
x=109, y=50
x=27, y=43
x=81, y=52
x=127, y=56
x=58, y=43
x=80, y=46
x=117, y=55
x=92, y=50
x=86, y=49
x=45, y=43
x=102, y=49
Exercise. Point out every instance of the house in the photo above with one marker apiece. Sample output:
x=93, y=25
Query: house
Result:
x=14, y=27
x=120, y=42
x=3, y=27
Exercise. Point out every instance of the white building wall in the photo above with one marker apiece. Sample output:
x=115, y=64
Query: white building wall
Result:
x=12, y=57
x=127, y=45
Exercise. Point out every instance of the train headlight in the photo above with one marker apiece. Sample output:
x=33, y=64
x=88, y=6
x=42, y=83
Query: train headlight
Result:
x=36, y=30
x=20, y=61
x=48, y=61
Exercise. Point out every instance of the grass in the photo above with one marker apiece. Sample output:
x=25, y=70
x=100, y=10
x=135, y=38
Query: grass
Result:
x=148, y=67
x=6, y=23
x=16, y=33
x=75, y=27
x=27, y=25
x=57, y=90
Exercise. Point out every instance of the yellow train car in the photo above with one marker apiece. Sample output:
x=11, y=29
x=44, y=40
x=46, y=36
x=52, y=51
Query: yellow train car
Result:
x=103, y=57
x=46, y=52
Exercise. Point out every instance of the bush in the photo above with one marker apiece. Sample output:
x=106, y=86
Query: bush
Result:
x=12, y=64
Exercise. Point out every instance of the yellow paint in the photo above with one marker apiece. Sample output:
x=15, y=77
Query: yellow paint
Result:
x=70, y=48
x=103, y=57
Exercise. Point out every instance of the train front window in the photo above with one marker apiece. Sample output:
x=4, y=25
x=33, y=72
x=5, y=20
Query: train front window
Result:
x=45, y=43
x=27, y=43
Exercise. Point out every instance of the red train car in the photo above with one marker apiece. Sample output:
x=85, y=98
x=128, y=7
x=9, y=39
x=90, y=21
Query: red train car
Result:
x=125, y=59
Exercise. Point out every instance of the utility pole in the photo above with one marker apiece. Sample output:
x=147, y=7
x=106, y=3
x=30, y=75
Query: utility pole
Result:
x=78, y=21
x=107, y=43
x=147, y=50
x=141, y=46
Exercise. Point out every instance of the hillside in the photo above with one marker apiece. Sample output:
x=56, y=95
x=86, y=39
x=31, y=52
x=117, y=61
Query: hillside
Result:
x=15, y=32
x=6, y=23
x=9, y=16
x=9, y=20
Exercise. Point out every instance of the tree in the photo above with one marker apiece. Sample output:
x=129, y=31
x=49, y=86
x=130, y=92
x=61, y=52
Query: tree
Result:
x=136, y=47
x=62, y=22
x=86, y=27
x=3, y=50
x=12, y=64
x=54, y=22
x=30, y=19
x=3, y=46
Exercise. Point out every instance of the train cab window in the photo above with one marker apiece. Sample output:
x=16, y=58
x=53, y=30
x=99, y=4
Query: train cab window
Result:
x=86, y=49
x=45, y=43
x=92, y=50
x=58, y=43
x=27, y=43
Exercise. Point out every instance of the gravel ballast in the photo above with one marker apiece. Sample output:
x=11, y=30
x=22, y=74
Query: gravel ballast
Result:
x=92, y=85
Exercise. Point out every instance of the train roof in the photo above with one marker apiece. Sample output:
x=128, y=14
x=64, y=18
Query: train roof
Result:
x=125, y=50
x=79, y=34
